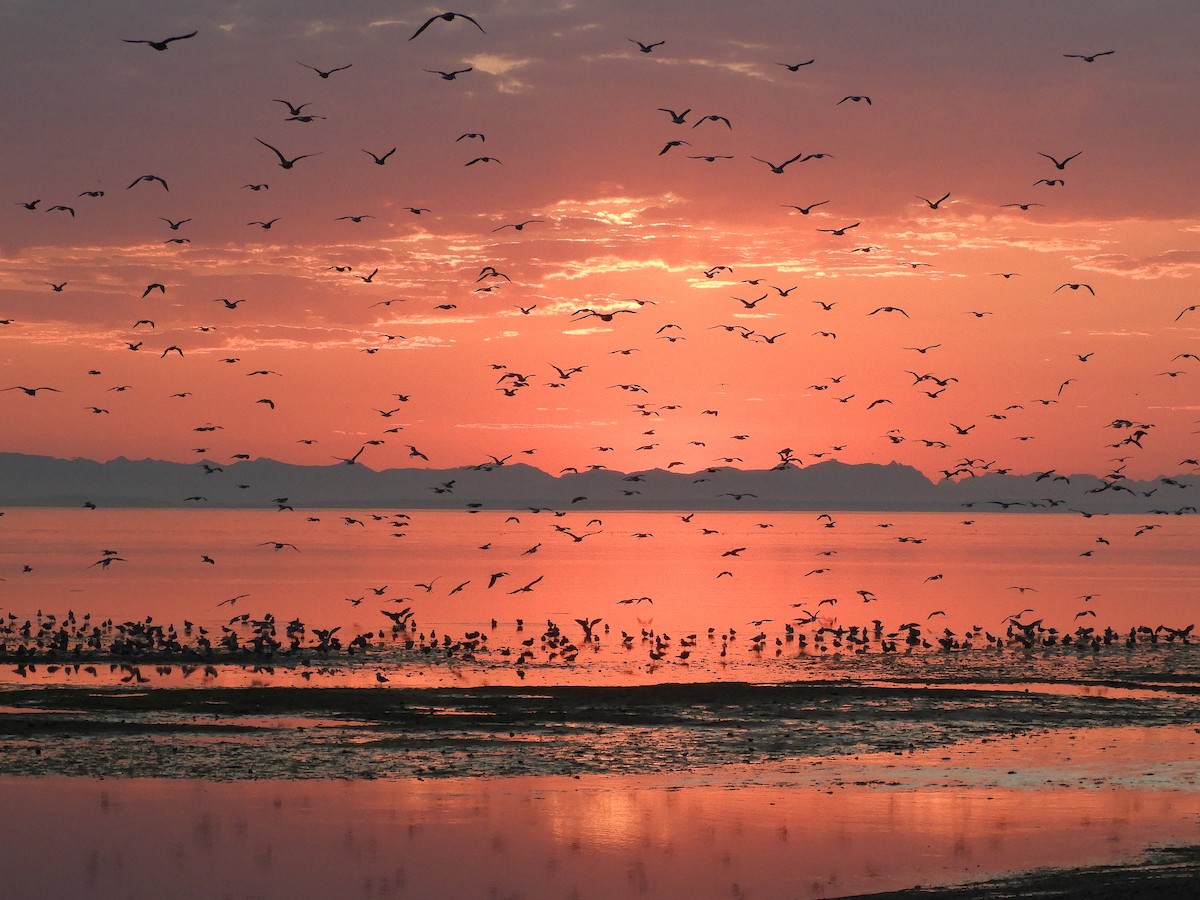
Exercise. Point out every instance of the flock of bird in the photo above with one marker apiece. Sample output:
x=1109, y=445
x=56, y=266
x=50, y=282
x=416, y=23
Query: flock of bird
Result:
x=67, y=640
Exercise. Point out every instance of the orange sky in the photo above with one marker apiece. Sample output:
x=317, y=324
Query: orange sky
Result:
x=964, y=98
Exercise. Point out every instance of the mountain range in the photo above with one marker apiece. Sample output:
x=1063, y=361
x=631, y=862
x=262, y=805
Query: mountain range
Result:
x=28, y=480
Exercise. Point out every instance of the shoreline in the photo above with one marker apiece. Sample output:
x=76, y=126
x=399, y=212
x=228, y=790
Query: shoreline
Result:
x=1162, y=873
x=1074, y=810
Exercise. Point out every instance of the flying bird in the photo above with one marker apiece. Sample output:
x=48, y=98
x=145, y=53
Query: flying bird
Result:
x=447, y=17
x=1089, y=58
x=1074, y=286
x=934, y=204
x=450, y=76
x=778, y=168
x=284, y=162
x=803, y=210
x=32, y=392
x=647, y=48
x=148, y=178
x=1057, y=164
x=380, y=160
x=162, y=45
x=324, y=73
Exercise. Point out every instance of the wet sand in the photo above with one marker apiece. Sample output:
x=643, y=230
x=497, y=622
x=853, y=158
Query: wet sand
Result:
x=833, y=826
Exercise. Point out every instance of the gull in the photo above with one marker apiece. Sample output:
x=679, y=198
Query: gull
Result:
x=518, y=226
x=1192, y=308
x=669, y=144
x=805, y=210
x=839, y=231
x=647, y=48
x=32, y=204
x=367, y=279
x=265, y=225
x=1022, y=206
x=447, y=17
x=279, y=545
x=795, y=67
x=1057, y=164
x=284, y=162
x=148, y=178
x=527, y=588
x=483, y=159
x=57, y=288
x=714, y=118
x=676, y=117
x=470, y=135
x=778, y=170
x=324, y=73
x=294, y=110
x=62, y=208
x=162, y=45
x=353, y=459
x=855, y=98
x=450, y=76
x=380, y=160
x=1089, y=58
x=933, y=204
x=32, y=392
x=174, y=225
x=889, y=309
x=1050, y=182
x=1076, y=286
x=229, y=304
x=354, y=218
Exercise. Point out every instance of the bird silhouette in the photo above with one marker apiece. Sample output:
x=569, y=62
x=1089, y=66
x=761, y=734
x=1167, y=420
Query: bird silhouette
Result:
x=647, y=48
x=284, y=162
x=450, y=76
x=141, y=178
x=1058, y=164
x=324, y=73
x=447, y=17
x=934, y=204
x=162, y=45
x=380, y=160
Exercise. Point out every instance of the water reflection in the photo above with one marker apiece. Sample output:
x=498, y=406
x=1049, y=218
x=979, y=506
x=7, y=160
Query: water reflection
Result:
x=699, y=836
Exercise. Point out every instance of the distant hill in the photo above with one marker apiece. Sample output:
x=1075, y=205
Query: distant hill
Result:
x=27, y=480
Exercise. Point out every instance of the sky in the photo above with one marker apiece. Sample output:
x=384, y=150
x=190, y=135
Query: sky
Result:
x=899, y=339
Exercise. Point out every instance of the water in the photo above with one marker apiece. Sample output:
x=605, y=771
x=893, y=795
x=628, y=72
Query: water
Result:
x=709, y=673
x=1133, y=577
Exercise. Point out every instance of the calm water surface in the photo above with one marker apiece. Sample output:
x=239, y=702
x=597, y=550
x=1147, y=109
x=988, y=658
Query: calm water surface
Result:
x=741, y=575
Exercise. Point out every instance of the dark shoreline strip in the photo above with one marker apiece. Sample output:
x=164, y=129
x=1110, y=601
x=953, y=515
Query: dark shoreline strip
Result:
x=1171, y=873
